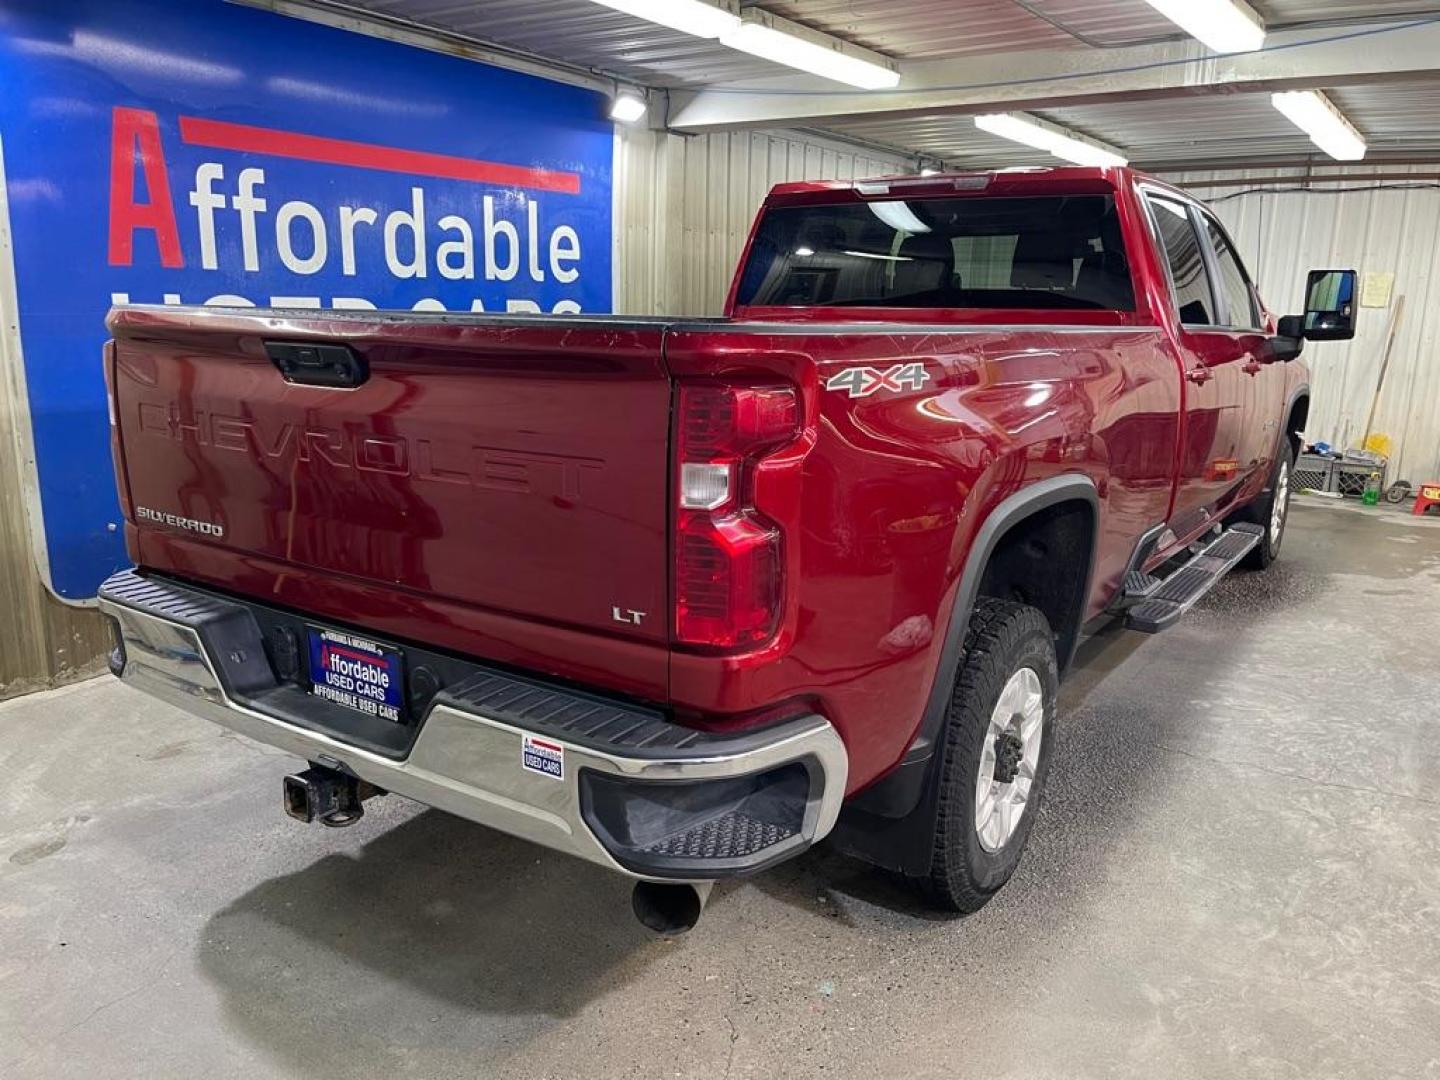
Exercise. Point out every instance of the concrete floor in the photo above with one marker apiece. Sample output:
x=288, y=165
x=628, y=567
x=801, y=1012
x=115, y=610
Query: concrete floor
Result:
x=1236, y=873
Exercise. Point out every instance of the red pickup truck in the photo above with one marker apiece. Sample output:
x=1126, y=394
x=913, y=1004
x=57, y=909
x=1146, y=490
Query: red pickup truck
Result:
x=685, y=596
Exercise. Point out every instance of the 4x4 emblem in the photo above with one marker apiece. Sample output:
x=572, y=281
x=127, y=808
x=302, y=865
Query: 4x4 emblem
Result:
x=864, y=381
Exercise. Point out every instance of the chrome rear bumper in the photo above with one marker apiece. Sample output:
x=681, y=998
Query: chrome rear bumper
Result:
x=621, y=801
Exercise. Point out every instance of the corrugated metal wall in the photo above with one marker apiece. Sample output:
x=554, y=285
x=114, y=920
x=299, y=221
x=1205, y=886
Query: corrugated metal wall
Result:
x=687, y=203
x=1284, y=233
x=42, y=641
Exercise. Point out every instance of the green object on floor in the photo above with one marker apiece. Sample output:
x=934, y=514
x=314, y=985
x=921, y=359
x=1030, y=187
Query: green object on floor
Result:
x=1372, y=490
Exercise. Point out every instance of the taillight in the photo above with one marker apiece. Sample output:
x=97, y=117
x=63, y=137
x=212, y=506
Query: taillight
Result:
x=729, y=570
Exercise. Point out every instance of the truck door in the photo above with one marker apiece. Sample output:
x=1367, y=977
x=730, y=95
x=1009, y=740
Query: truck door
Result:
x=1263, y=388
x=1215, y=453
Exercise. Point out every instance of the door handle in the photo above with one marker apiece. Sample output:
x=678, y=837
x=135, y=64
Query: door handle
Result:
x=1199, y=375
x=318, y=364
x=1252, y=368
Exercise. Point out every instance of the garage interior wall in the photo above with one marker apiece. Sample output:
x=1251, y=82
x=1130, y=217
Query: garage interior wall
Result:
x=686, y=204
x=42, y=641
x=1390, y=226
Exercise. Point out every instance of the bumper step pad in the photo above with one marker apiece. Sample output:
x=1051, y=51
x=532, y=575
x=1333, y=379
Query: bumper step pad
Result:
x=735, y=836
x=1167, y=599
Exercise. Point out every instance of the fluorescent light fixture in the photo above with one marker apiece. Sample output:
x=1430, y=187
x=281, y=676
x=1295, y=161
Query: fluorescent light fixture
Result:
x=688, y=16
x=1043, y=135
x=784, y=42
x=627, y=107
x=899, y=217
x=1313, y=113
x=1226, y=26
x=929, y=171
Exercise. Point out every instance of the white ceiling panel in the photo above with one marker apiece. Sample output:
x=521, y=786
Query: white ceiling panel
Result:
x=589, y=35
x=1396, y=118
x=1399, y=120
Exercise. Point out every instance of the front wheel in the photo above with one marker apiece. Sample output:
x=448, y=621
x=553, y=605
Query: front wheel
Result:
x=998, y=739
x=1272, y=511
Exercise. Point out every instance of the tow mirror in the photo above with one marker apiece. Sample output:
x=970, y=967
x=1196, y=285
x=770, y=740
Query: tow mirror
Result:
x=1329, y=306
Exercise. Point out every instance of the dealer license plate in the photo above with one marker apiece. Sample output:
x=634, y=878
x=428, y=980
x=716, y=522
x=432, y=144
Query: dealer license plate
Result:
x=357, y=673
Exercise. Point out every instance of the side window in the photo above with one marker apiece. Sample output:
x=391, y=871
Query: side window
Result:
x=1187, y=261
x=1239, y=299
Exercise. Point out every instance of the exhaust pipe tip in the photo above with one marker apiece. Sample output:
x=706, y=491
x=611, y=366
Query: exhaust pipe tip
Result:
x=670, y=908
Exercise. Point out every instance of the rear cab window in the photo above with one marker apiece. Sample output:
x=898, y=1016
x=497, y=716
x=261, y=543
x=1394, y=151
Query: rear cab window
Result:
x=1022, y=253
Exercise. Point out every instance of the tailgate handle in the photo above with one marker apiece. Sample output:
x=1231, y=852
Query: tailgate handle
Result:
x=316, y=364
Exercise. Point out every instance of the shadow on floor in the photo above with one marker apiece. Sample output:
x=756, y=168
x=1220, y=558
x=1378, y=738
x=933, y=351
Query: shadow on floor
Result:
x=465, y=916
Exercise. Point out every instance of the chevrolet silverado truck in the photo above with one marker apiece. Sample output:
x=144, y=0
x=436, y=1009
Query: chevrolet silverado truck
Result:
x=683, y=597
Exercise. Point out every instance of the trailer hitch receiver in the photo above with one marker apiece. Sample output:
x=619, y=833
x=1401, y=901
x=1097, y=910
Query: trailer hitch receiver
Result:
x=327, y=795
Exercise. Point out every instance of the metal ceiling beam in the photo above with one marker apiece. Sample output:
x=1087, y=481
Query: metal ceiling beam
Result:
x=1309, y=161
x=344, y=16
x=1309, y=180
x=1295, y=59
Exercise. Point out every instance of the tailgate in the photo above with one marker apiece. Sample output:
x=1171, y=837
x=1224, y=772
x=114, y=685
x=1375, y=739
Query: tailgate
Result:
x=516, y=465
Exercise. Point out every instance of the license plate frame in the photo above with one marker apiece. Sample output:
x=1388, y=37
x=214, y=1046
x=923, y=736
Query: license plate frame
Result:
x=357, y=673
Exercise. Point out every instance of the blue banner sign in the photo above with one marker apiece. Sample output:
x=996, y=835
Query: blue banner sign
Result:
x=208, y=153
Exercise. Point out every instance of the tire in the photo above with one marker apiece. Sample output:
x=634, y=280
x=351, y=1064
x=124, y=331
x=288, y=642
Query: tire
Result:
x=1262, y=511
x=1003, y=641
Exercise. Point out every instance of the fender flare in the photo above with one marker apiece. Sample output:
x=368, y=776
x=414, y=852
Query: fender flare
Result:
x=1301, y=391
x=887, y=823
x=1246, y=511
x=1025, y=503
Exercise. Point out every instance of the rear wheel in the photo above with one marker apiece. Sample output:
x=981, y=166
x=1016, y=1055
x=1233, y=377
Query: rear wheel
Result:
x=996, y=754
x=1271, y=510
